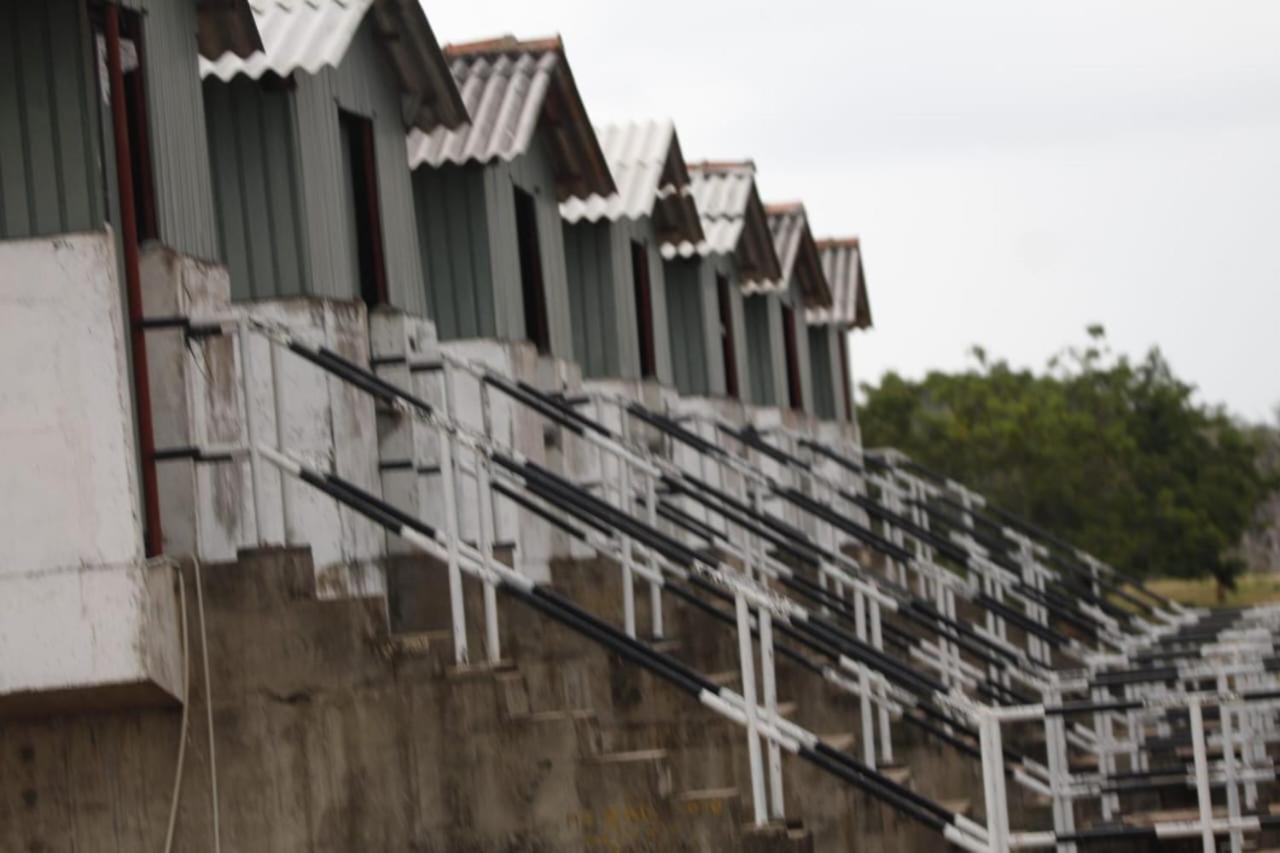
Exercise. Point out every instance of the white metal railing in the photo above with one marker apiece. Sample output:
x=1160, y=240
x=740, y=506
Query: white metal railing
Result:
x=1017, y=594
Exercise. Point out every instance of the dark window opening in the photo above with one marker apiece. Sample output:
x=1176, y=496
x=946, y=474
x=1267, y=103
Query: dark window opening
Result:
x=357, y=134
x=727, y=348
x=846, y=386
x=536, y=328
x=794, y=396
x=644, y=309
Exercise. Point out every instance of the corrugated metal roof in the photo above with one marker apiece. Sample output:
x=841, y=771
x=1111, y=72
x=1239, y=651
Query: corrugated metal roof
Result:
x=510, y=89
x=798, y=254
x=842, y=264
x=296, y=35
x=733, y=223
x=652, y=179
x=309, y=35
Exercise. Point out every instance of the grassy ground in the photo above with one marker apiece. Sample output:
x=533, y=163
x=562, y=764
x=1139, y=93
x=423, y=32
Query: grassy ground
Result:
x=1250, y=589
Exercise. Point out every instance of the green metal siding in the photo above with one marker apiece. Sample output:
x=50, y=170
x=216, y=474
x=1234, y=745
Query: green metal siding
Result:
x=467, y=228
x=453, y=239
x=178, y=139
x=254, y=155
x=304, y=192
x=51, y=178
x=684, y=285
x=804, y=359
x=766, y=366
x=363, y=84
x=693, y=325
x=643, y=232
x=601, y=287
x=824, y=381
x=595, y=281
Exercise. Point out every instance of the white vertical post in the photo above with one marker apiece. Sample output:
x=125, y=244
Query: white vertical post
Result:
x=993, y=783
x=1064, y=821
x=484, y=533
x=484, y=494
x=748, y=664
x=1203, y=794
x=877, y=640
x=655, y=591
x=277, y=402
x=864, y=683
x=777, y=809
x=251, y=421
x=457, y=612
x=1229, y=766
x=628, y=580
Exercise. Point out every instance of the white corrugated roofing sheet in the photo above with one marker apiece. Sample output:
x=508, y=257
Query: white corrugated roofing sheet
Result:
x=504, y=96
x=652, y=180
x=797, y=252
x=733, y=223
x=297, y=35
x=722, y=197
x=508, y=85
x=310, y=35
x=637, y=153
x=842, y=264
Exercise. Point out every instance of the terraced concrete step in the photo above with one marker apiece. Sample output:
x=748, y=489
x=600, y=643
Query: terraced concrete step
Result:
x=843, y=741
x=898, y=773
x=1169, y=815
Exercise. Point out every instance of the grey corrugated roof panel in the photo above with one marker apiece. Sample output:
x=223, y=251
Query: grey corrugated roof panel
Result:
x=509, y=87
x=798, y=254
x=309, y=35
x=651, y=177
x=733, y=222
x=850, y=304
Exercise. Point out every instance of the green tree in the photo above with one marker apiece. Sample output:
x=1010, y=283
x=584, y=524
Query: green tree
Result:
x=1112, y=454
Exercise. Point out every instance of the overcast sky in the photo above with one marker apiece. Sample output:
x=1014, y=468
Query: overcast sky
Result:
x=1016, y=170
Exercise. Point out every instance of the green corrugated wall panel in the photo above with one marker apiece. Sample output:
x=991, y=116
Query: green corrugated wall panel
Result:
x=824, y=398
x=504, y=253
x=531, y=173
x=762, y=321
x=684, y=282
x=618, y=302
x=800, y=333
x=257, y=188
x=737, y=305
x=658, y=295
x=602, y=298
x=453, y=234
x=179, y=142
x=324, y=239
x=589, y=250
x=50, y=164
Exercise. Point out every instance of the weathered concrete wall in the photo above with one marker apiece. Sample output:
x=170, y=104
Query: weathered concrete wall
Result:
x=78, y=610
x=200, y=401
x=332, y=735
x=66, y=422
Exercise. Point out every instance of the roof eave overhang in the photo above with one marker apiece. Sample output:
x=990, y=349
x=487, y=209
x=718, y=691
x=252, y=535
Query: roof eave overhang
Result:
x=581, y=168
x=430, y=96
x=756, y=256
x=226, y=26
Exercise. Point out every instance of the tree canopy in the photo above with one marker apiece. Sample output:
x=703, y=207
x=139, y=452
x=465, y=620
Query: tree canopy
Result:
x=1111, y=454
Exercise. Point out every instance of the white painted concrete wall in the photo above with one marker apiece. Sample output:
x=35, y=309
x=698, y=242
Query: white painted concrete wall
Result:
x=66, y=424
x=78, y=608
